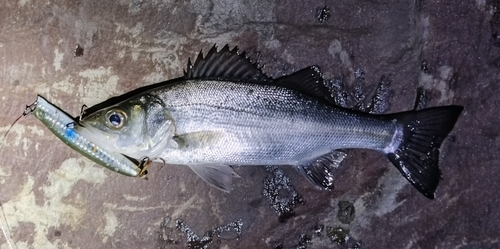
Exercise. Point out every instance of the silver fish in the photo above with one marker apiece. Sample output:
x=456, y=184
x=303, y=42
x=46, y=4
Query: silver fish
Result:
x=225, y=111
x=76, y=136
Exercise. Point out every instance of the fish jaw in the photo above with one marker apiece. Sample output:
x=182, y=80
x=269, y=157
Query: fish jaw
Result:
x=144, y=128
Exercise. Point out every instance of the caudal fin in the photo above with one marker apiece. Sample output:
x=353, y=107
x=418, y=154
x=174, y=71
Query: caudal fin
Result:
x=417, y=156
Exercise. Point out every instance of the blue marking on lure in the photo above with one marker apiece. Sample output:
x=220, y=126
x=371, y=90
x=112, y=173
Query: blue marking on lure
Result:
x=70, y=133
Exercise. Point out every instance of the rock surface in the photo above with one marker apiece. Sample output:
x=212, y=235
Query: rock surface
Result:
x=83, y=52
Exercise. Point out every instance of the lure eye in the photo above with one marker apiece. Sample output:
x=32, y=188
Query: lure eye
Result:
x=115, y=119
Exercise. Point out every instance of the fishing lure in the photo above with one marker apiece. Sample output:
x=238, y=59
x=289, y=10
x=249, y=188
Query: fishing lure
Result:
x=78, y=137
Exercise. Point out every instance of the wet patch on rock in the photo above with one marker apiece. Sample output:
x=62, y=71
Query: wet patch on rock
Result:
x=78, y=51
x=174, y=233
x=322, y=14
x=360, y=97
x=340, y=236
x=281, y=194
x=304, y=239
x=346, y=212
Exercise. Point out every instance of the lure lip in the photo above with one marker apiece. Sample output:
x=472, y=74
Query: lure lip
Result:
x=78, y=137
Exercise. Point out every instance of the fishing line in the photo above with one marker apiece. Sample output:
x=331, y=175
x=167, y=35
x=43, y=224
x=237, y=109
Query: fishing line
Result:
x=29, y=109
x=7, y=231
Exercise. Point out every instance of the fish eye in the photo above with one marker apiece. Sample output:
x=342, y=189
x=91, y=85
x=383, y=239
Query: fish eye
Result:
x=115, y=119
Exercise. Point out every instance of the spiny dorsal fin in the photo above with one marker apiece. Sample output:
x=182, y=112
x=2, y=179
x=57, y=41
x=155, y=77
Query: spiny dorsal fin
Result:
x=308, y=81
x=228, y=64
x=225, y=65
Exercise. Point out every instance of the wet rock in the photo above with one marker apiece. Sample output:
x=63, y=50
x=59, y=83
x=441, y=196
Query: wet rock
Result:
x=47, y=187
x=346, y=212
x=338, y=235
x=281, y=195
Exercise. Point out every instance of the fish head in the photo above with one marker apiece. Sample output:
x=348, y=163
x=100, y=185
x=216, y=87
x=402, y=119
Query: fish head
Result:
x=137, y=127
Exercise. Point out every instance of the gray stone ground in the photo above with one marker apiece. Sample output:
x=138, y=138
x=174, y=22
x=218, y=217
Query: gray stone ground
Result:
x=52, y=197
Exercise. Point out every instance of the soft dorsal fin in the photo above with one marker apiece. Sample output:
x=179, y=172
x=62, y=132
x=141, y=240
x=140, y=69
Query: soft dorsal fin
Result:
x=308, y=81
x=225, y=65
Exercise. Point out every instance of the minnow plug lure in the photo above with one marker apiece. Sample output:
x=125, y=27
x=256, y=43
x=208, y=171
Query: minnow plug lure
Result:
x=77, y=137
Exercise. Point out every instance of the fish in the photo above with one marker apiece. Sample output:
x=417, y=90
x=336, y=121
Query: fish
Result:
x=68, y=130
x=226, y=112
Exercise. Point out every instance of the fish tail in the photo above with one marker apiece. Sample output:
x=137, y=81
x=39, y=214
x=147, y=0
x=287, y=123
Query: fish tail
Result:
x=415, y=149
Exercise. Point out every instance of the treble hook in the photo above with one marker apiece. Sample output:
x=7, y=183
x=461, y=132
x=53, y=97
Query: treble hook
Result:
x=144, y=165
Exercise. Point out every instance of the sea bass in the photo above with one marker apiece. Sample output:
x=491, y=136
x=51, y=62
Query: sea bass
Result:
x=226, y=112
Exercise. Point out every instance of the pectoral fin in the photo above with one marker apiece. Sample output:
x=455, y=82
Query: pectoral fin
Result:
x=217, y=175
x=318, y=172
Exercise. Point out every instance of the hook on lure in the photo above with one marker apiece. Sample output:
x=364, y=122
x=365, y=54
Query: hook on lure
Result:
x=144, y=164
x=82, y=112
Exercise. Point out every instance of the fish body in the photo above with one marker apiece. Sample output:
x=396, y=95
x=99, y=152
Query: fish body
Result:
x=226, y=112
x=252, y=124
x=76, y=136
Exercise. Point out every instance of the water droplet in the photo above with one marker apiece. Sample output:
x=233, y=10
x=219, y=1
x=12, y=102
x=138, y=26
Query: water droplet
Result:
x=318, y=230
x=322, y=14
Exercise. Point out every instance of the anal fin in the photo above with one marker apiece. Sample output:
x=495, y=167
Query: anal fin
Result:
x=318, y=172
x=218, y=175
